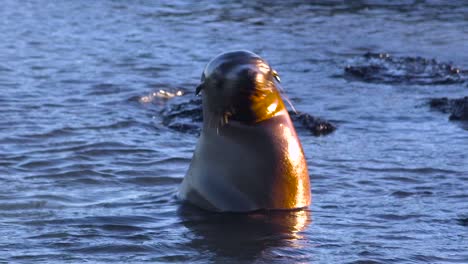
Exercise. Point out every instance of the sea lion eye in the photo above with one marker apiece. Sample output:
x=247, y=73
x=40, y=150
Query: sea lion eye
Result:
x=276, y=75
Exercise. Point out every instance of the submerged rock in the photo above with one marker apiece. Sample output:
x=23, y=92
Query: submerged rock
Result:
x=315, y=125
x=184, y=114
x=383, y=68
x=458, y=108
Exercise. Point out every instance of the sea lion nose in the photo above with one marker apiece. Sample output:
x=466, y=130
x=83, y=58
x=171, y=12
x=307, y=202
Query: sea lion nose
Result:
x=251, y=77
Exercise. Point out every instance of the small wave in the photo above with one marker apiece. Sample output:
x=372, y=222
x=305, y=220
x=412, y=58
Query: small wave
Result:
x=153, y=181
x=435, y=259
x=153, y=69
x=396, y=237
x=42, y=164
x=44, y=258
x=41, y=201
x=68, y=131
x=93, y=221
x=153, y=162
x=121, y=228
x=401, y=179
x=117, y=220
x=383, y=68
x=75, y=100
x=173, y=160
x=79, y=174
x=458, y=196
x=7, y=206
x=403, y=194
x=50, y=235
x=5, y=69
x=105, y=151
x=105, y=147
x=119, y=125
x=365, y=261
x=112, y=248
x=54, y=133
x=421, y=170
x=91, y=181
x=397, y=217
x=61, y=199
x=74, y=81
x=104, y=89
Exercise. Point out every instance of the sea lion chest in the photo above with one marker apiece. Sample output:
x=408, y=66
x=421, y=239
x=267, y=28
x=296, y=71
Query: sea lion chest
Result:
x=248, y=167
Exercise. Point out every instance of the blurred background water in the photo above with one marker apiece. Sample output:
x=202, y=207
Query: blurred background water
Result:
x=89, y=174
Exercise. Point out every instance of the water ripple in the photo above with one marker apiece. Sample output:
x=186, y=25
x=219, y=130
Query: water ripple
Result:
x=94, y=96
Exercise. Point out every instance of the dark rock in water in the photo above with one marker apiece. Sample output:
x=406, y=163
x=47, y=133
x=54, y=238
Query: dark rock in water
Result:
x=184, y=114
x=316, y=126
x=458, y=108
x=383, y=68
x=441, y=104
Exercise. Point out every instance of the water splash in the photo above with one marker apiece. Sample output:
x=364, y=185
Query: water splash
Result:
x=160, y=94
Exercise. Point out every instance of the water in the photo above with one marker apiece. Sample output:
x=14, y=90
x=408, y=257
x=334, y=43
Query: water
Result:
x=89, y=174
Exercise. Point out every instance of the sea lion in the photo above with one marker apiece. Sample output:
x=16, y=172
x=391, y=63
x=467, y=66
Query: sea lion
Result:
x=248, y=156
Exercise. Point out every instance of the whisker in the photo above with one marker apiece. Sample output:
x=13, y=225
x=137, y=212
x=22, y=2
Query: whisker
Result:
x=280, y=88
x=285, y=97
x=219, y=123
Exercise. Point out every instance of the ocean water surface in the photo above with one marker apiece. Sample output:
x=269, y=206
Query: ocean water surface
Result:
x=89, y=170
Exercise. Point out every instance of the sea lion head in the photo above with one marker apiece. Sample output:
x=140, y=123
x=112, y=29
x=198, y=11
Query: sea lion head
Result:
x=239, y=86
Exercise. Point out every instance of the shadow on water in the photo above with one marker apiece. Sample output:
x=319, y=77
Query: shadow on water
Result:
x=243, y=236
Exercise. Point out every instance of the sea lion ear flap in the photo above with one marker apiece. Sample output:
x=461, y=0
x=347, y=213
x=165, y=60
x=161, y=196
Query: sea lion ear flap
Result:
x=201, y=85
x=199, y=88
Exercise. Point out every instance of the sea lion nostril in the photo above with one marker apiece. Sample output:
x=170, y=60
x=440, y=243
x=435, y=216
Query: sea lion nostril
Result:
x=249, y=75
